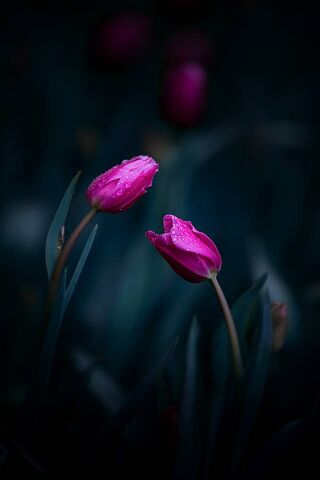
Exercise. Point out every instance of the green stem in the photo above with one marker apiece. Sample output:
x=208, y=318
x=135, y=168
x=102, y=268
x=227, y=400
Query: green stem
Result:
x=62, y=259
x=234, y=342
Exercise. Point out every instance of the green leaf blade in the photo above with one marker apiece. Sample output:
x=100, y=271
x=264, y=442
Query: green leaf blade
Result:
x=79, y=267
x=51, y=249
x=255, y=378
x=244, y=312
x=187, y=464
x=36, y=394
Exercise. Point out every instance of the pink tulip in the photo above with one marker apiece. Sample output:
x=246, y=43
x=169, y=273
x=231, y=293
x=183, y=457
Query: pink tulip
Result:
x=185, y=94
x=123, y=38
x=118, y=188
x=190, y=253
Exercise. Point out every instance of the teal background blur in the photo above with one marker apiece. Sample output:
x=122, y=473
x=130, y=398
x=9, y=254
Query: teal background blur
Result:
x=247, y=174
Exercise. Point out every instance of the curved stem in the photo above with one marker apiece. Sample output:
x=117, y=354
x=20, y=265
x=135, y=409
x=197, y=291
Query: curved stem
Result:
x=234, y=342
x=62, y=259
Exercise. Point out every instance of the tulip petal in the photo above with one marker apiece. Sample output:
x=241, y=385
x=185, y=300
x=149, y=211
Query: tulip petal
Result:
x=103, y=196
x=185, y=236
x=168, y=222
x=210, y=244
x=190, y=267
x=190, y=253
x=118, y=188
x=194, y=268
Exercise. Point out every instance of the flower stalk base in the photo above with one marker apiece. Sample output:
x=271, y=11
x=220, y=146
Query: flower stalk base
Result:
x=234, y=342
x=62, y=259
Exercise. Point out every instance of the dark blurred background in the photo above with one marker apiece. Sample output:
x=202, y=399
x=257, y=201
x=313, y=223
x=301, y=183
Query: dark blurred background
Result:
x=224, y=95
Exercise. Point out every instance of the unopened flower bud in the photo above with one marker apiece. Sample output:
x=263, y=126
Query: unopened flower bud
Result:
x=191, y=254
x=122, y=39
x=184, y=95
x=118, y=188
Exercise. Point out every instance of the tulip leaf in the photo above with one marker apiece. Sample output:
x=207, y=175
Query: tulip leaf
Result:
x=136, y=398
x=37, y=392
x=244, y=315
x=255, y=376
x=51, y=250
x=54, y=328
x=52, y=333
x=221, y=370
x=79, y=267
x=187, y=463
x=244, y=312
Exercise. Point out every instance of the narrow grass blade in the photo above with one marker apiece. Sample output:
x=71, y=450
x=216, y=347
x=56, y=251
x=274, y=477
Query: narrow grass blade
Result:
x=51, y=250
x=255, y=379
x=36, y=395
x=77, y=272
x=245, y=316
x=187, y=464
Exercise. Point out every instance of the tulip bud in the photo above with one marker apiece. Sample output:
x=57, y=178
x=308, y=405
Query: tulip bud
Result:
x=279, y=316
x=185, y=94
x=118, y=188
x=122, y=39
x=190, y=253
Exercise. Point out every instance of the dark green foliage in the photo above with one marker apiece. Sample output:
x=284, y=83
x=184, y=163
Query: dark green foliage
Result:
x=58, y=221
x=132, y=404
x=79, y=267
x=188, y=453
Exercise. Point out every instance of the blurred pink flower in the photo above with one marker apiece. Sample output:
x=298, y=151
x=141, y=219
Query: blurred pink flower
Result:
x=190, y=253
x=189, y=46
x=118, y=188
x=184, y=95
x=123, y=38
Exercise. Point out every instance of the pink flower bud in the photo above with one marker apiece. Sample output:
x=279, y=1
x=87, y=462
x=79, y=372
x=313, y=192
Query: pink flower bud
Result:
x=279, y=316
x=123, y=38
x=184, y=95
x=190, y=253
x=118, y=188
